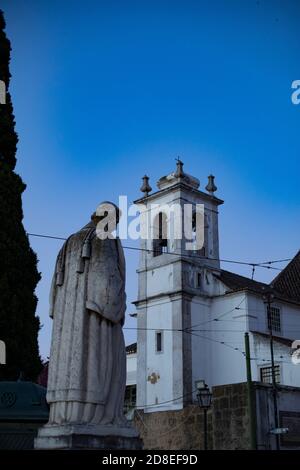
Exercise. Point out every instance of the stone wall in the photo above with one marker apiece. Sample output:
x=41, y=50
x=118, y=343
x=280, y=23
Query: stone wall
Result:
x=228, y=423
x=174, y=430
x=230, y=417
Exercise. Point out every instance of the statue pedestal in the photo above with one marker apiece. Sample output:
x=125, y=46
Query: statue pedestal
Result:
x=85, y=437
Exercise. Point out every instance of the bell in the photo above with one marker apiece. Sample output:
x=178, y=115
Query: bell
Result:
x=211, y=187
x=146, y=188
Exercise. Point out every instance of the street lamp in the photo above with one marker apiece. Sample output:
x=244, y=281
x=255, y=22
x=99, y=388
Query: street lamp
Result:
x=268, y=299
x=204, y=397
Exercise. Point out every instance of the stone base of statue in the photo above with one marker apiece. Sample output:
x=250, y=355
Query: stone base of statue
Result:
x=87, y=437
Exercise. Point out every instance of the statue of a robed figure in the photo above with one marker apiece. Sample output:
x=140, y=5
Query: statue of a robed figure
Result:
x=87, y=367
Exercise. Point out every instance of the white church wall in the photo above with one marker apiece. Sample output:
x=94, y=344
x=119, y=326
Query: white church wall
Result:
x=260, y=346
x=289, y=317
x=131, y=369
x=159, y=373
x=217, y=346
x=160, y=280
x=228, y=362
x=200, y=315
x=260, y=351
x=290, y=320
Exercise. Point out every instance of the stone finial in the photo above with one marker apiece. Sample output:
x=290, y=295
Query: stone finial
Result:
x=211, y=187
x=146, y=188
x=179, y=168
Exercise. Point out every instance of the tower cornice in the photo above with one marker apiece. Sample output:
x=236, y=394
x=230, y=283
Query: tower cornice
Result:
x=176, y=187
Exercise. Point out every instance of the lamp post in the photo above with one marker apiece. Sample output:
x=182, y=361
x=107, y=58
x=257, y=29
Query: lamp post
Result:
x=204, y=397
x=268, y=298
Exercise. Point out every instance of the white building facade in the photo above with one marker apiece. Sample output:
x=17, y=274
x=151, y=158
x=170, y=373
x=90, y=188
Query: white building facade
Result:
x=192, y=315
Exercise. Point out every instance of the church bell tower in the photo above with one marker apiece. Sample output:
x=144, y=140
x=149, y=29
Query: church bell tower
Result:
x=175, y=284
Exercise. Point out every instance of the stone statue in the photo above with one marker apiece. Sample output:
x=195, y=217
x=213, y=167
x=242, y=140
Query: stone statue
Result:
x=87, y=368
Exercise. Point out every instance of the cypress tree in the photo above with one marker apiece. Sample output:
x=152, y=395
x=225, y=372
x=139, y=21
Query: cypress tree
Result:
x=19, y=276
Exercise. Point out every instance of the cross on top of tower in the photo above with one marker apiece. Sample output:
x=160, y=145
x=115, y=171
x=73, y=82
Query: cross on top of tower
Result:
x=179, y=168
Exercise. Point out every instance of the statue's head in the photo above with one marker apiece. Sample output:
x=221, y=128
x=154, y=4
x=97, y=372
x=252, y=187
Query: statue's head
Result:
x=106, y=217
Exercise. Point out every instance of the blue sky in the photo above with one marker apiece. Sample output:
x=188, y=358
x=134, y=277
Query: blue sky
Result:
x=105, y=91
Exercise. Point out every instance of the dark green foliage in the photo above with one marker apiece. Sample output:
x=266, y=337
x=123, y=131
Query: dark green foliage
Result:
x=19, y=326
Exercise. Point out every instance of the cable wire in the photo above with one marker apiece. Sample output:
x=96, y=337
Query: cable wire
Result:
x=261, y=265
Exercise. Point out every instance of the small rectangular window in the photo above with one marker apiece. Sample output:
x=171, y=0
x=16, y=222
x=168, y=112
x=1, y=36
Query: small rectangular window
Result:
x=159, y=341
x=198, y=279
x=160, y=241
x=130, y=398
x=273, y=315
x=266, y=374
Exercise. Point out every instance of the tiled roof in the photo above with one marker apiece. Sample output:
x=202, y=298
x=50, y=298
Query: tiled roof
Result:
x=236, y=282
x=288, y=281
x=285, y=286
x=131, y=348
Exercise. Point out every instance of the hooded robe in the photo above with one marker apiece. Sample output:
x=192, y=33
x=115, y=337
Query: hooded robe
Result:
x=87, y=368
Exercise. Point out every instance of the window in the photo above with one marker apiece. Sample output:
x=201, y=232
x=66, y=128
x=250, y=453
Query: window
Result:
x=266, y=374
x=198, y=279
x=202, y=251
x=273, y=316
x=160, y=242
x=159, y=341
x=130, y=398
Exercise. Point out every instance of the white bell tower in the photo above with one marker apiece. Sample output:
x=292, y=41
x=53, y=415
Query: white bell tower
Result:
x=174, y=289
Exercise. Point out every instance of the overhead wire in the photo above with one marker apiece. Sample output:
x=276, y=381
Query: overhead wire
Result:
x=265, y=264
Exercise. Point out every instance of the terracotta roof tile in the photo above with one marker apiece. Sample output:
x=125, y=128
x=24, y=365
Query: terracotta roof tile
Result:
x=285, y=286
x=131, y=348
x=237, y=282
x=288, y=281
